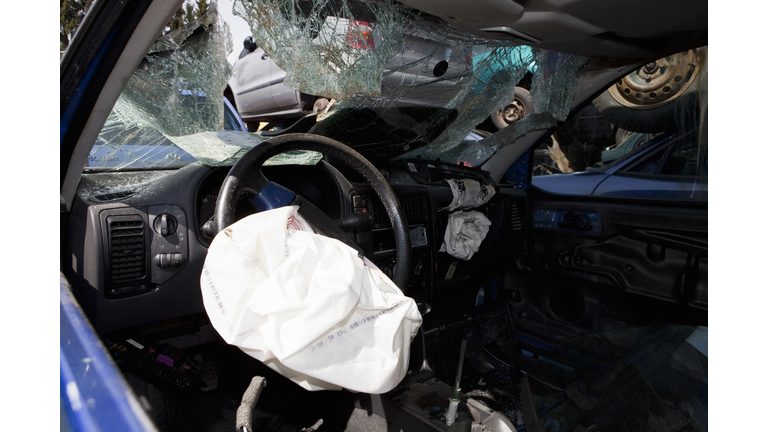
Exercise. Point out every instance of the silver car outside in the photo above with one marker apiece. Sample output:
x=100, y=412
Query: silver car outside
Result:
x=425, y=73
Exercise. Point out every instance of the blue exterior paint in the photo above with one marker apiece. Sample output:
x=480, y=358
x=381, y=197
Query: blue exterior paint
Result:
x=615, y=179
x=94, y=395
x=519, y=173
x=74, y=103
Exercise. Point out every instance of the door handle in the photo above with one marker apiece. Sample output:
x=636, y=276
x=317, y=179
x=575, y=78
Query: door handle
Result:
x=264, y=57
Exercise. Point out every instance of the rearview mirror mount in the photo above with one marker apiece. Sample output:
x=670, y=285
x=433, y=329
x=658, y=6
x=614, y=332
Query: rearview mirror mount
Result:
x=249, y=44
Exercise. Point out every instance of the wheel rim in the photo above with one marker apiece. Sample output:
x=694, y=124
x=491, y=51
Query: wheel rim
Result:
x=658, y=82
x=320, y=105
x=513, y=112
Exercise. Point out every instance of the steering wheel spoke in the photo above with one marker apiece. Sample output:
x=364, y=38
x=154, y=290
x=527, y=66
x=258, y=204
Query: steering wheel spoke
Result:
x=246, y=177
x=322, y=224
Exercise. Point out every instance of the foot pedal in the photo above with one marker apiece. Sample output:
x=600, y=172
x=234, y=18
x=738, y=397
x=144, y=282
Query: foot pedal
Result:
x=208, y=380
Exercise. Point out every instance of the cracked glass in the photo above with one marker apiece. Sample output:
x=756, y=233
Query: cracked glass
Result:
x=643, y=137
x=171, y=113
x=402, y=83
x=399, y=84
x=164, y=118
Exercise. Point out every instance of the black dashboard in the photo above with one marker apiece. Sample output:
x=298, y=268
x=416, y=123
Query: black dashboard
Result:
x=137, y=246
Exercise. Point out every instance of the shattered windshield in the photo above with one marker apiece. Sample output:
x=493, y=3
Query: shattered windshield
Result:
x=401, y=84
x=164, y=117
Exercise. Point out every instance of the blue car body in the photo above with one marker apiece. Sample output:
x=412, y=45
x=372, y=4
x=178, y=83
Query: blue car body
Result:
x=94, y=395
x=616, y=179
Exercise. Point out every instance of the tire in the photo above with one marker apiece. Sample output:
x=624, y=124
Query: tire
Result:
x=518, y=108
x=320, y=105
x=652, y=98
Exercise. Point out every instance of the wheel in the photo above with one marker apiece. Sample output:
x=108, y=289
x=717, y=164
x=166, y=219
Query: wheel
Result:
x=518, y=108
x=320, y=105
x=650, y=99
x=246, y=177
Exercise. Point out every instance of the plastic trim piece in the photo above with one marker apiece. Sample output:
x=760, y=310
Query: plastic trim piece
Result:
x=273, y=196
x=94, y=395
x=512, y=32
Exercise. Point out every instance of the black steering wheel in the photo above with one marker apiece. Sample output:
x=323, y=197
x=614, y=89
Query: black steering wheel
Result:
x=246, y=177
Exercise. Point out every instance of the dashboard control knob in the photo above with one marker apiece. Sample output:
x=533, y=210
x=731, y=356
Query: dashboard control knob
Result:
x=169, y=260
x=165, y=224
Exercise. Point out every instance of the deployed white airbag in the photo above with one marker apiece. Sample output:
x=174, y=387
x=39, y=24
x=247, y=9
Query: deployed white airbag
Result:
x=469, y=194
x=464, y=234
x=306, y=305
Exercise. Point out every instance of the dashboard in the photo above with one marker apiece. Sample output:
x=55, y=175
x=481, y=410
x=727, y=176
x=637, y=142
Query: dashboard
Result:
x=315, y=183
x=137, y=244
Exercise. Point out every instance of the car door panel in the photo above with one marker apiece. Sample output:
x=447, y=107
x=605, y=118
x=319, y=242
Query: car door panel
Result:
x=285, y=97
x=642, y=264
x=638, y=187
x=252, y=77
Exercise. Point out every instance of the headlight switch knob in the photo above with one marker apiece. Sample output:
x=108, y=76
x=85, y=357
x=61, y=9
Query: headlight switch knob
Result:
x=165, y=224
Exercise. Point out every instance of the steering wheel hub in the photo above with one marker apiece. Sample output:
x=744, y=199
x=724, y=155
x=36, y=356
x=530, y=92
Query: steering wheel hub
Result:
x=246, y=177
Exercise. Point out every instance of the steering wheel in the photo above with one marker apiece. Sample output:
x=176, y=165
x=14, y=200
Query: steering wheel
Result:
x=246, y=177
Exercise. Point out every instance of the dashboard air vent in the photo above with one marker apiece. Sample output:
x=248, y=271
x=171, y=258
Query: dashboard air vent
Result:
x=517, y=219
x=378, y=213
x=126, y=247
x=415, y=208
x=113, y=196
